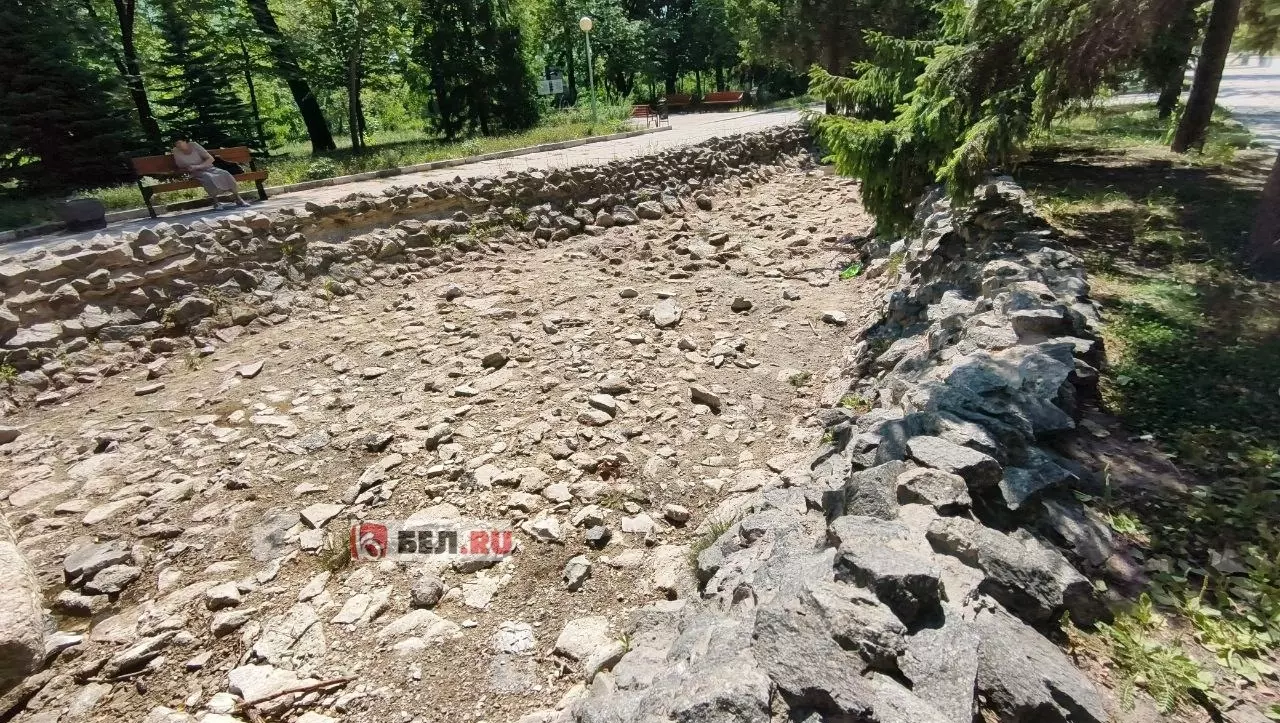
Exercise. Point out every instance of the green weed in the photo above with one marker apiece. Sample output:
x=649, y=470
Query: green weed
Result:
x=856, y=402
x=851, y=271
x=1171, y=678
x=8, y=373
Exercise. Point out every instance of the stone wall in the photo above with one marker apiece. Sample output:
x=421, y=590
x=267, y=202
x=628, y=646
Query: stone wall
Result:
x=72, y=316
x=909, y=569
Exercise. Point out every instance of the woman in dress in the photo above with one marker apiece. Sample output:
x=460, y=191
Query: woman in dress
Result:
x=196, y=161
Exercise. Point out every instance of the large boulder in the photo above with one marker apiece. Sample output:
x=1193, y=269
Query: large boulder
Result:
x=21, y=612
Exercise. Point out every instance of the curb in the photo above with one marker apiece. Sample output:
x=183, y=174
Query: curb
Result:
x=137, y=213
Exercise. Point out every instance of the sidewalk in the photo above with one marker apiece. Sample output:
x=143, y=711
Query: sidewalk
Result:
x=685, y=130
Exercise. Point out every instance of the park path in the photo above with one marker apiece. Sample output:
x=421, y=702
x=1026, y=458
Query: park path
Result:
x=1252, y=94
x=685, y=130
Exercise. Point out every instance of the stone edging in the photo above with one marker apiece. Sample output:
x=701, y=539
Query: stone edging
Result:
x=71, y=316
x=272, y=191
x=902, y=572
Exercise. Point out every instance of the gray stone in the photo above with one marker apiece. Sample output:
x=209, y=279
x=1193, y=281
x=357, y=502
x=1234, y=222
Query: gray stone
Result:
x=21, y=611
x=514, y=638
x=583, y=636
x=858, y=622
x=811, y=671
x=1082, y=530
x=1022, y=484
x=1029, y=577
x=1024, y=678
x=191, y=309
x=837, y=318
x=942, y=664
x=666, y=313
x=740, y=304
x=650, y=210
x=871, y=554
x=576, y=572
x=85, y=562
x=597, y=536
x=426, y=591
x=704, y=396
x=873, y=492
x=225, y=595
x=944, y=491
x=112, y=580
x=977, y=469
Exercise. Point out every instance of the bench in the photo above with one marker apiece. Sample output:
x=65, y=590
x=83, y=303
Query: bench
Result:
x=678, y=100
x=648, y=114
x=162, y=166
x=726, y=98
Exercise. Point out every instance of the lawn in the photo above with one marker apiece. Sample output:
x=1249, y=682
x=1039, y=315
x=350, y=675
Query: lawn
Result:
x=1193, y=346
x=294, y=163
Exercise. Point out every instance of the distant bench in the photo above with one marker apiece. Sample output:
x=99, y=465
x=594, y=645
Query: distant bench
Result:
x=676, y=101
x=725, y=98
x=648, y=114
x=162, y=166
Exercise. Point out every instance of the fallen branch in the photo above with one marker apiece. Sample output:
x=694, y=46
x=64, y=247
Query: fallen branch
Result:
x=299, y=689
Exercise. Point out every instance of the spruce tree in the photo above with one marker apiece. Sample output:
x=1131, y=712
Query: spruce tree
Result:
x=66, y=117
x=198, y=99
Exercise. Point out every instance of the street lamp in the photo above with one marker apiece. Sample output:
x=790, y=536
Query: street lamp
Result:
x=586, y=25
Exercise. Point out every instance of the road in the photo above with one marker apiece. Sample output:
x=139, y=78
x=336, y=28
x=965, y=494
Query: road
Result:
x=685, y=130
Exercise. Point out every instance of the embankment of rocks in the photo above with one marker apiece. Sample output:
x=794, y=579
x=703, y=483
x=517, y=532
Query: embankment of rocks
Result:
x=72, y=316
x=909, y=570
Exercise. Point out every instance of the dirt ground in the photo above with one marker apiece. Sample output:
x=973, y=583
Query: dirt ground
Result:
x=486, y=392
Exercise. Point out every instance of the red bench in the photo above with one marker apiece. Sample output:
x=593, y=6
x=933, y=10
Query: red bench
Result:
x=679, y=100
x=648, y=114
x=725, y=98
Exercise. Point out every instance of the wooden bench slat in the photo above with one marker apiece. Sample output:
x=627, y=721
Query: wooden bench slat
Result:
x=162, y=166
x=184, y=184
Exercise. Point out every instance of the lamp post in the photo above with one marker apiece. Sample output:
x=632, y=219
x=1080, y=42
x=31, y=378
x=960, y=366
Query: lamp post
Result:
x=586, y=25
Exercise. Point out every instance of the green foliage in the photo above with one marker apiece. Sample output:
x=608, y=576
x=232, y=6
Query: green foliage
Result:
x=857, y=403
x=62, y=122
x=1172, y=678
x=997, y=69
x=852, y=271
x=7, y=373
x=197, y=100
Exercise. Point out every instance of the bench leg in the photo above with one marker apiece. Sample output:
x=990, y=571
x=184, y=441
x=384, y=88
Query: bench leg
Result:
x=262, y=190
x=146, y=198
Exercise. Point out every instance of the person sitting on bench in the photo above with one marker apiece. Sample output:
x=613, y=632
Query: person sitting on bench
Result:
x=196, y=161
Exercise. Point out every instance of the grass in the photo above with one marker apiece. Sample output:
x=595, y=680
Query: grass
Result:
x=1193, y=346
x=294, y=163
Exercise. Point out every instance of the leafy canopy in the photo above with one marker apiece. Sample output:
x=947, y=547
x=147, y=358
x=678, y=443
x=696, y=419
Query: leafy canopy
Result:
x=948, y=108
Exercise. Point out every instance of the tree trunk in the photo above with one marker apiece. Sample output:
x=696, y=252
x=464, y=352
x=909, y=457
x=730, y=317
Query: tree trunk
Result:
x=308, y=106
x=253, y=96
x=719, y=77
x=573, y=77
x=1204, y=88
x=697, y=82
x=127, y=65
x=1264, y=241
x=1169, y=95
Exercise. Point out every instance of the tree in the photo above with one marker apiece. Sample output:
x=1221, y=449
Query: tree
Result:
x=61, y=123
x=287, y=66
x=355, y=42
x=1264, y=241
x=124, y=54
x=1204, y=86
x=952, y=107
x=1165, y=59
x=474, y=58
x=194, y=76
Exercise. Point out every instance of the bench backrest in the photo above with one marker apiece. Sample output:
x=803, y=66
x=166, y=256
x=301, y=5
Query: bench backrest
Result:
x=164, y=165
x=641, y=111
x=678, y=98
x=723, y=95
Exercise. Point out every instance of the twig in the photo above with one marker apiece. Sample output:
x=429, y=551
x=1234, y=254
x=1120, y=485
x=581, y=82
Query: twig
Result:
x=811, y=328
x=300, y=689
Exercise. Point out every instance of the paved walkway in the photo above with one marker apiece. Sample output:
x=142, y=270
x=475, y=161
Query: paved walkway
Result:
x=685, y=130
x=1252, y=94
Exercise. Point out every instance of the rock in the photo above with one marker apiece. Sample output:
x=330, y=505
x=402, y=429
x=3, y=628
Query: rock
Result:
x=494, y=359
x=604, y=403
x=74, y=604
x=704, y=202
x=135, y=657
x=908, y=582
x=594, y=418
x=21, y=611
x=544, y=529
x=858, y=622
x=112, y=580
x=583, y=636
x=318, y=515
x=810, y=670
x=423, y=624
x=1030, y=578
x=650, y=210
x=943, y=491
x=666, y=313
x=426, y=591
x=677, y=514
x=704, y=396
x=576, y=572
x=640, y=524
x=837, y=318
x=225, y=622
x=740, y=304
x=514, y=638
x=250, y=370
x=597, y=536
x=1024, y=483
x=791, y=295
x=977, y=469
x=627, y=292
x=290, y=638
x=252, y=682
x=86, y=561
x=226, y=595
x=143, y=390
x=942, y=664
x=8, y=434
x=873, y=492
x=1024, y=678
x=191, y=309
x=376, y=442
